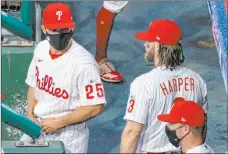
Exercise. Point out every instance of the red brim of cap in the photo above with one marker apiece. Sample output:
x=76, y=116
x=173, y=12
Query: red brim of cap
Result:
x=167, y=118
x=142, y=36
x=60, y=25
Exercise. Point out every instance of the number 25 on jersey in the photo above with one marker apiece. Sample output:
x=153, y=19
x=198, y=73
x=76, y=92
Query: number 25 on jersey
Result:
x=90, y=88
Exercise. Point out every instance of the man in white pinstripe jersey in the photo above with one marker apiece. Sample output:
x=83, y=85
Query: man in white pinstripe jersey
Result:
x=65, y=89
x=152, y=93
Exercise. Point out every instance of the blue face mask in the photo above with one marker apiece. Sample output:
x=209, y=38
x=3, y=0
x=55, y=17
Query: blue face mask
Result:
x=59, y=41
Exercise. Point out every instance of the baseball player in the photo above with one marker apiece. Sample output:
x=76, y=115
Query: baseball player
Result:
x=104, y=22
x=153, y=93
x=185, y=123
x=65, y=89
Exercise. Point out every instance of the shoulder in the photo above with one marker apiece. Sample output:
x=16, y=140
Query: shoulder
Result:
x=41, y=46
x=149, y=77
x=82, y=56
x=197, y=76
x=83, y=60
x=42, y=49
x=142, y=82
x=204, y=148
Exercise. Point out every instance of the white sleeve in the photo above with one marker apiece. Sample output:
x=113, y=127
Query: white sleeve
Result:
x=90, y=87
x=115, y=6
x=31, y=79
x=205, y=100
x=138, y=103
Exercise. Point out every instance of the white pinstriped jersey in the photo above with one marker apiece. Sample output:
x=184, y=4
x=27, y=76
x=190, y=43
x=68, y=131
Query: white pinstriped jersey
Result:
x=115, y=6
x=203, y=148
x=64, y=84
x=152, y=94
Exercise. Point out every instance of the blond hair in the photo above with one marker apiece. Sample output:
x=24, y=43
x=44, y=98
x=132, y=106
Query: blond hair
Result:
x=171, y=55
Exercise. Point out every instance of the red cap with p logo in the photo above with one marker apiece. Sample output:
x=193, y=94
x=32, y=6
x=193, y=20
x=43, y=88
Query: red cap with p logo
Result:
x=57, y=15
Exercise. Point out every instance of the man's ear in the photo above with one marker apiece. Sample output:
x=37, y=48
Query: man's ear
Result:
x=187, y=129
x=43, y=29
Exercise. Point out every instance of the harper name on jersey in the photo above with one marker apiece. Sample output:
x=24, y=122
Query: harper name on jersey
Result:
x=152, y=94
x=177, y=84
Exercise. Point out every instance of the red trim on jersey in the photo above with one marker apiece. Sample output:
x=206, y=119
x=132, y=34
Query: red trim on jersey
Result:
x=54, y=56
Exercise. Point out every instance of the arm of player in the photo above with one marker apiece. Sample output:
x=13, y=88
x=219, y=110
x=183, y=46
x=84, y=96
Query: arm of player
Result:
x=92, y=99
x=80, y=115
x=31, y=102
x=31, y=105
x=130, y=137
x=136, y=116
x=30, y=80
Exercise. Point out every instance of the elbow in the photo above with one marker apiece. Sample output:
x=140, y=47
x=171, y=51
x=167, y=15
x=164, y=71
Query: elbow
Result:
x=131, y=133
x=98, y=110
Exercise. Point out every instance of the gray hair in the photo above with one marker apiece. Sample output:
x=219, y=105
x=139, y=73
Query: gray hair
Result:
x=171, y=55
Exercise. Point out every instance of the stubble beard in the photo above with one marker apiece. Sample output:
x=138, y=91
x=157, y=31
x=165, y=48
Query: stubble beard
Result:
x=149, y=56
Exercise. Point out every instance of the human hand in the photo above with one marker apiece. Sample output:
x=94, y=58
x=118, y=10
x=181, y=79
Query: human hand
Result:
x=50, y=125
x=34, y=120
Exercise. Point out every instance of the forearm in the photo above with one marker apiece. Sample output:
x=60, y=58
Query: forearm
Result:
x=80, y=115
x=31, y=102
x=129, y=142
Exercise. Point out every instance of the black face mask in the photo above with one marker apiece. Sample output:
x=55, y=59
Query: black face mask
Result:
x=173, y=139
x=59, y=41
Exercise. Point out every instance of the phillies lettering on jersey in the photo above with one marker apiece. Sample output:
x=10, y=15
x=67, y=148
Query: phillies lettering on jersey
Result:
x=152, y=94
x=47, y=85
x=63, y=84
x=177, y=84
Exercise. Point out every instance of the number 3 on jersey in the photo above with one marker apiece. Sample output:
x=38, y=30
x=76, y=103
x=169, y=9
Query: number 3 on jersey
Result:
x=131, y=106
x=90, y=89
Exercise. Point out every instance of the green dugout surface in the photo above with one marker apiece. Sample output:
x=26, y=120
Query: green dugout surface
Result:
x=53, y=147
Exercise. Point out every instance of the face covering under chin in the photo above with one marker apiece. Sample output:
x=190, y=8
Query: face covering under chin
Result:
x=174, y=140
x=59, y=41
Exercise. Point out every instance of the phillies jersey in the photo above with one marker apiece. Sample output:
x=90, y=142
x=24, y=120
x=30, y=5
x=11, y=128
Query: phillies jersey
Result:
x=152, y=94
x=63, y=84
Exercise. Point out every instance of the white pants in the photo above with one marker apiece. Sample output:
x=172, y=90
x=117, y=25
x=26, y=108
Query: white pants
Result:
x=74, y=137
x=115, y=6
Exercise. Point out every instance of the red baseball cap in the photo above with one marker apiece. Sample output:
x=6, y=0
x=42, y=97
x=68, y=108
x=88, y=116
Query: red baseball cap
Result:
x=163, y=31
x=57, y=15
x=184, y=112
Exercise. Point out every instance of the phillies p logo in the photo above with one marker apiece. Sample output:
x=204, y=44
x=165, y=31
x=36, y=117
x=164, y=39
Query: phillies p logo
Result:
x=59, y=14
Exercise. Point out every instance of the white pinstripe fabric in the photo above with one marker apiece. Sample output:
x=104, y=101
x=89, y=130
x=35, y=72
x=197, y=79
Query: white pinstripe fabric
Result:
x=151, y=101
x=115, y=6
x=70, y=72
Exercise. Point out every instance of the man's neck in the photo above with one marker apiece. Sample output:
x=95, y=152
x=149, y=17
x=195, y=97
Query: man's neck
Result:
x=156, y=62
x=54, y=51
x=190, y=142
